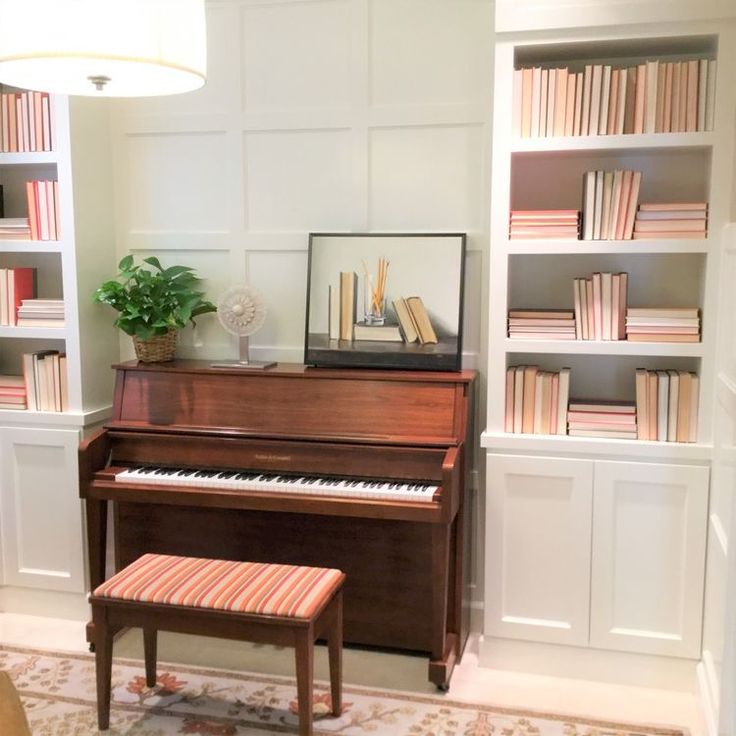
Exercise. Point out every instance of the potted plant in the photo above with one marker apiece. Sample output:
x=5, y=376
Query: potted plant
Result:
x=154, y=305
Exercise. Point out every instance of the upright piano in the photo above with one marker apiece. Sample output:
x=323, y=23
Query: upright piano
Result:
x=363, y=470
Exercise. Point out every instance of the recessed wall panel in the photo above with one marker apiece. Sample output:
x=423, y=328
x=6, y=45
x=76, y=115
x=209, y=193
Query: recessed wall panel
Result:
x=177, y=182
x=426, y=177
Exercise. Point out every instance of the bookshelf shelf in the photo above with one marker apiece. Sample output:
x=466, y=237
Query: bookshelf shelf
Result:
x=542, y=247
x=33, y=158
x=626, y=142
x=32, y=246
x=613, y=347
x=49, y=333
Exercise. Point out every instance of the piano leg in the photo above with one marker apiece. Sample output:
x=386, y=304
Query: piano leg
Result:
x=96, y=549
x=442, y=658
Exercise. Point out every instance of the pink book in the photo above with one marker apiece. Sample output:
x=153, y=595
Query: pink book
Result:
x=615, y=306
x=632, y=204
x=597, y=307
x=591, y=309
x=622, y=298
x=623, y=206
x=554, y=409
x=509, y=413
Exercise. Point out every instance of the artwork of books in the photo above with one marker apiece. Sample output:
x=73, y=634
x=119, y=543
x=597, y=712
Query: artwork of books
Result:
x=385, y=301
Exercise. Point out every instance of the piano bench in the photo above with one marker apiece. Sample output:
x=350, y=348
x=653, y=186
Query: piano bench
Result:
x=264, y=603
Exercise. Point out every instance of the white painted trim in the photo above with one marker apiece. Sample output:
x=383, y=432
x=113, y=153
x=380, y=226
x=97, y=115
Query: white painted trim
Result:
x=707, y=696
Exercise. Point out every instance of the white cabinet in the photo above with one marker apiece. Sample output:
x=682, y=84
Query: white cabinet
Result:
x=596, y=553
x=40, y=516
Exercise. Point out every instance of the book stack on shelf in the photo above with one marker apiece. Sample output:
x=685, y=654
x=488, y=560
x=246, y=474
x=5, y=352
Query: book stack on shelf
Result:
x=671, y=220
x=16, y=284
x=45, y=375
x=25, y=122
x=541, y=324
x=610, y=201
x=600, y=306
x=651, y=97
x=43, y=209
x=13, y=392
x=663, y=324
x=667, y=405
x=15, y=228
x=544, y=224
x=41, y=313
x=536, y=401
x=612, y=420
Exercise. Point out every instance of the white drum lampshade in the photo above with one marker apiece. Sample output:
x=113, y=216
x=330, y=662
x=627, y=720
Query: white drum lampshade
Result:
x=110, y=48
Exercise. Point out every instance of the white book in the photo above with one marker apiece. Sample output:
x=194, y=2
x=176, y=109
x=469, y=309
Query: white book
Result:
x=606, y=304
x=588, y=204
x=518, y=398
x=563, y=398
x=29, y=376
x=710, y=95
x=598, y=207
x=621, y=103
x=650, y=96
x=584, y=329
x=536, y=99
x=578, y=117
x=702, y=92
x=43, y=210
x=615, y=204
x=674, y=380
x=508, y=417
x=694, y=407
x=605, y=96
x=543, y=103
x=578, y=311
x=663, y=401
x=538, y=381
x=607, y=200
x=595, y=99
x=585, y=107
x=549, y=112
x=4, y=318
x=516, y=111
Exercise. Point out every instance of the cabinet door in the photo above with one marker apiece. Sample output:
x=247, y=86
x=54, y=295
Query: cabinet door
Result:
x=649, y=534
x=41, y=514
x=538, y=525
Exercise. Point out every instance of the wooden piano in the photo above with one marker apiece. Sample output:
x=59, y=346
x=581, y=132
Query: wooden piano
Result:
x=363, y=470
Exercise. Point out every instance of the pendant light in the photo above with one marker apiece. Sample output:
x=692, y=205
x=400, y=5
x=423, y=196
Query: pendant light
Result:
x=105, y=48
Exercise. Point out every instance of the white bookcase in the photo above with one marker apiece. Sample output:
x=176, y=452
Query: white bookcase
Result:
x=522, y=469
x=40, y=511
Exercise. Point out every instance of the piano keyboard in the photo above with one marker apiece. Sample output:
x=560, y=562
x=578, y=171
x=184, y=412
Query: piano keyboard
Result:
x=274, y=483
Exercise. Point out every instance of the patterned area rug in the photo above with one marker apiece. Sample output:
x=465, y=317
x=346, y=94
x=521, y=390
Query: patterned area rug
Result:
x=58, y=692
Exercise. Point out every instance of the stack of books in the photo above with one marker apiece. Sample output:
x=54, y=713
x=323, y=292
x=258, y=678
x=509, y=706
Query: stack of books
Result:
x=414, y=322
x=651, y=97
x=663, y=324
x=610, y=201
x=41, y=313
x=15, y=228
x=536, y=401
x=613, y=420
x=44, y=372
x=600, y=306
x=671, y=220
x=544, y=224
x=42, y=198
x=16, y=284
x=13, y=392
x=667, y=405
x=541, y=324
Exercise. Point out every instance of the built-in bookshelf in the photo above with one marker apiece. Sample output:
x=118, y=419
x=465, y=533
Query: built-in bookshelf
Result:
x=580, y=502
x=549, y=173
x=49, y=220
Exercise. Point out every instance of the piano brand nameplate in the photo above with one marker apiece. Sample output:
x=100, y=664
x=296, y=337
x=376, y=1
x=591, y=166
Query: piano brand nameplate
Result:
x=287, y=403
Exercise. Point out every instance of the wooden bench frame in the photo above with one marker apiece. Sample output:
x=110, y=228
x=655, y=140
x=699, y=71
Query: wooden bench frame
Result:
x=110, y=615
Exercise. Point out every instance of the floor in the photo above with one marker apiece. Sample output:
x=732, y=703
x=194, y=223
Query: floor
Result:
x=470, y=682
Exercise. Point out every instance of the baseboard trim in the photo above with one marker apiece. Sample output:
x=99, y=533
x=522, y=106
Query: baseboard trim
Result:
x=72, y=606
x=555, y=660
x=708, y=693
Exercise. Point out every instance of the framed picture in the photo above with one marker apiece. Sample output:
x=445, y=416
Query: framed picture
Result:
x=385, y=300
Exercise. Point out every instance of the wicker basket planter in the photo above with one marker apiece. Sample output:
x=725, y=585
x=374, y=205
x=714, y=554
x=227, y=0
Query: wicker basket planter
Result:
x=157, y=349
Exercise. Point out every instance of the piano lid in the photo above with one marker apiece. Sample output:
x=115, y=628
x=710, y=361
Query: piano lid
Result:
x=293, y=401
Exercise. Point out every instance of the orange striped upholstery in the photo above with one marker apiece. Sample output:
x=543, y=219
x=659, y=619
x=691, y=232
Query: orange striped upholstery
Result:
x=245, y=587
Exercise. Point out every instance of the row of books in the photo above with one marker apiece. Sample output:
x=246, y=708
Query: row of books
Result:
x=45, y=375
x=613, y=420
x=667, y=405
x=41, y=313
x=25, y=122
x=13, y=392
x=610, y=200
x=671, y=220
x=651, y=97
x=43, y=209
x=663, y=324
x=600, y=306
x=542, y=324
x=546, y=224
x=16, y=284
x=536, y=400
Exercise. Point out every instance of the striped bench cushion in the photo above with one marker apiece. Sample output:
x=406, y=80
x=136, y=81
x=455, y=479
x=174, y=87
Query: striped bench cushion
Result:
x=246, y=587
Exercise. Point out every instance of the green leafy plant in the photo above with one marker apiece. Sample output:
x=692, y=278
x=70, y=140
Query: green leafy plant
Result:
x=151, y=302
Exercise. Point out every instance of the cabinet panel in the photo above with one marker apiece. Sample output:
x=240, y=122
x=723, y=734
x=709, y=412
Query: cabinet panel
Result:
x=649, y=532
x=42, y=535
x=538, y=556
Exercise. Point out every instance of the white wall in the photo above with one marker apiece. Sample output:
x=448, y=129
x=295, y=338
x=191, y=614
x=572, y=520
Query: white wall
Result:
x=318, y=115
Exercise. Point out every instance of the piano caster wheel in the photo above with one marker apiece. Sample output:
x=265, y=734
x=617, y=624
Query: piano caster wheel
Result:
x=444, y=687
x=92, y=647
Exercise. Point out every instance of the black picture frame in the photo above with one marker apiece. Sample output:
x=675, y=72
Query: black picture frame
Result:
x=428, y=265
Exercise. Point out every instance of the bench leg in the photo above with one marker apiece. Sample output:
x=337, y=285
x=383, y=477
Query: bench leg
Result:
x=304, y=649
x=103, y=668
x=149, y=649
x=334, y=648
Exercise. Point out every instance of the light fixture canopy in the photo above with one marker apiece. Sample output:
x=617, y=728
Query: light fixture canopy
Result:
x=110, y=48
